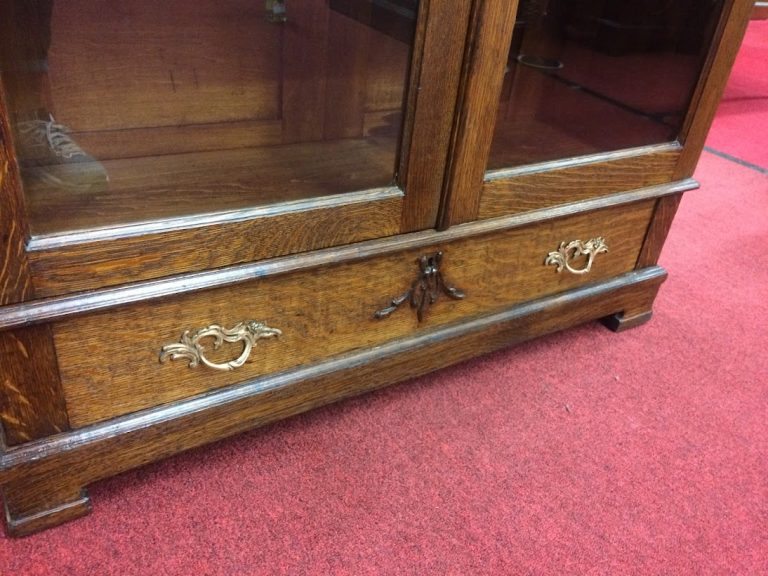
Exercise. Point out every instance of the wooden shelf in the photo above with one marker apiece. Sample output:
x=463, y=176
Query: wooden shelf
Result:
x=546, y=118
x=155, y=187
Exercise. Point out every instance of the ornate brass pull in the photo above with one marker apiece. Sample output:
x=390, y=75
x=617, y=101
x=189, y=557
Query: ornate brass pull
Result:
x=190, y=348
x=425, y=290
x=569, y=252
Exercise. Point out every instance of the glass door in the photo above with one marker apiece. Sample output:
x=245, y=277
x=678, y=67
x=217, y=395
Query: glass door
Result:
x=582, y=98
x=138, y=118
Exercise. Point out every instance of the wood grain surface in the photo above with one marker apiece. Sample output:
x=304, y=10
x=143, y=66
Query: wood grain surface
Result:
x=55, y=308
x=709, y=90
x=15, y=284
x=154, y=188
x=31, y=402
x=484, y=74
x=288, y=230
x=111, y=371
x=44, y=476
x=563, y=182
x=663, y=215
x=163, y=64
x=436, y=75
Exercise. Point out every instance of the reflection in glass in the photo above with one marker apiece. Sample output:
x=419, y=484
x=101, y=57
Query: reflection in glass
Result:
x=589, y=76
x=137, y=110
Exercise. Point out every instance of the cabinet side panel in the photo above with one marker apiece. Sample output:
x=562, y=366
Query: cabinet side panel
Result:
x=664, y=213
x=31, y=402
x=15, y=284
x=731, y=29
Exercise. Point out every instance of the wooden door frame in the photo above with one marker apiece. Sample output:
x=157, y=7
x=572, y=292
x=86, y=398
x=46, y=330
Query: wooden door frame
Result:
x=85, y=260
x=472, y=193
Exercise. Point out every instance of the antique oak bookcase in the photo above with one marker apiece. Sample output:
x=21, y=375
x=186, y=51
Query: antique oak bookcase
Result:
x=219, y=213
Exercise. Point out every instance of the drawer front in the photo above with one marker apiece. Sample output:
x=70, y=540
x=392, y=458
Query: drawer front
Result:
x=110, y=361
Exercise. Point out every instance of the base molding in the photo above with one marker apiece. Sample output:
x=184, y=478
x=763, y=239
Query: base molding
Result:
x=42, y=470
x=621, y=322
x=54, y=515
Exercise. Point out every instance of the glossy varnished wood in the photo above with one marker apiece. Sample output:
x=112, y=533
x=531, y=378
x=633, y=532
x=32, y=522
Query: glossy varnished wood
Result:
x=15, y=285
x=67, y=306
x=709, y=91
x=435, y=79
x=663, y=215
x=31, y=403
x=83, y=261
x=50, y=508
x=571, y=180
x=484, y=72
x=43, y=476
x=562, y=182
x=315, y=267
x=322, y=312
x=66, y=262
x=166, y=187
x=304, y=56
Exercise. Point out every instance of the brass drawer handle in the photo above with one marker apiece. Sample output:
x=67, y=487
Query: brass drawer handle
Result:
x=571, y=251
x=425, y=290
x=190, y=348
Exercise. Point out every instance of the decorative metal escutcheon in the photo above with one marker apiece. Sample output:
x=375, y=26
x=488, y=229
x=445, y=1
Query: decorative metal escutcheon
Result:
x=425, y=290
x=569, y=252
x=191, y=348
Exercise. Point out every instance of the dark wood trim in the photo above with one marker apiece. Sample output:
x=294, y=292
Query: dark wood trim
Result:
x=98, y=451
x=412, y=92
x=15, y=284
x=760, y=11
x=23, y=517
x=498, y=270
x=622, y=322
x=59, y=307
x=634, y=315
x=31, y=399
x=68, y=240
x=579, y=161
x=709, y=91
x=661, y=222
x=493, y=25
x=441, y=36
x=565, y=181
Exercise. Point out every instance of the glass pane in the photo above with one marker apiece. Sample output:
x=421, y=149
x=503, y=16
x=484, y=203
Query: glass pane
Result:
x=138, y=110
x=588, y=76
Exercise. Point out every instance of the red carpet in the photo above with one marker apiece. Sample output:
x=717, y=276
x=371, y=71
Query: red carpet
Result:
x=741, y=126
x=585, y=452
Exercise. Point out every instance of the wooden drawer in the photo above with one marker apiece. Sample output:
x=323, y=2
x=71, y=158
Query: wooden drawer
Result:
x=109, y=361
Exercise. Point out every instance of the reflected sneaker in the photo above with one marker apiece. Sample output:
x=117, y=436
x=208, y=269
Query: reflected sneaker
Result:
x=48, y=153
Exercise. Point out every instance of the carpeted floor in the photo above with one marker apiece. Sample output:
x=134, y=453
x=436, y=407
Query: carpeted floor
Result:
x=741, y=127
x=585, y=452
